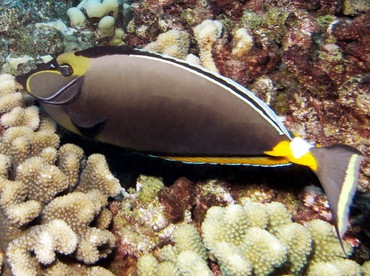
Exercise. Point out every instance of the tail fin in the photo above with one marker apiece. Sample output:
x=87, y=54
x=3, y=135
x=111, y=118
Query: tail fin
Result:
x=338, y=171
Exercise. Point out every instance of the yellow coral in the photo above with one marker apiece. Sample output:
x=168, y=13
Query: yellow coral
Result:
x=263, y=250
x=190, y=263
x=147, y=265
x=103, y=219
x=278, y=216
x=168, y=268
x=338, y=267
x=327, y=246
x=187, y=238
x=32, y=143
x=298, y=240
x=256, y=214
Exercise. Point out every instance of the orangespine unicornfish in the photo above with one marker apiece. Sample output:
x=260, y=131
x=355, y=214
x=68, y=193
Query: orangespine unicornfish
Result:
x=169, y=108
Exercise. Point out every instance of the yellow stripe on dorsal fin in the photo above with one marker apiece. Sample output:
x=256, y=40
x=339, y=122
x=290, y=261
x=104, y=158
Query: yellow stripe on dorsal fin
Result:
x=253, y=161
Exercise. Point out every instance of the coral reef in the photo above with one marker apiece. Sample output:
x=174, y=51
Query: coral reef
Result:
x=173, y=43
x=51, y=200
x=254, y=239
x=308, y=59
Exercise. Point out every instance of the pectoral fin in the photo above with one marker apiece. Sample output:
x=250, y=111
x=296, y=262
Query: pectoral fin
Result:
x=85, y=121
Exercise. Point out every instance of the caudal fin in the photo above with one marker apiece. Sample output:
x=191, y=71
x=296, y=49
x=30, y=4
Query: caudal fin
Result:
x=338, y=171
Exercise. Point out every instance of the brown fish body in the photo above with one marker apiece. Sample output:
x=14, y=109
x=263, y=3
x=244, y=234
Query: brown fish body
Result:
x=144, y=108
x=166, y=107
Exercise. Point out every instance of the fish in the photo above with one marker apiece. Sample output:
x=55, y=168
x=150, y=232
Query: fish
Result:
x=169, y=108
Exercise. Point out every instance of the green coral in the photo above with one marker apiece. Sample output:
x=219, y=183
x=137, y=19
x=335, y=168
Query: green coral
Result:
x=327, y=246
x=187, y=257
x=339, y=267
x=298, y=241
x=251, y=19
x=148, y=186
x=255, y=239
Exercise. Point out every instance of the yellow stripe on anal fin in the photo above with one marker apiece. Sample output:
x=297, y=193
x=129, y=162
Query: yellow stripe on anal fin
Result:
x=347, y=192
x=256, y=161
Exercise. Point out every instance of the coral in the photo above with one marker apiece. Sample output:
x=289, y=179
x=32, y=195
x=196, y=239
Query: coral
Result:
x=97, y=175
x=94, y=245
x=327, y=247
x=7, y=84
x=42, y=181
x=186, y=257
x=278, y=216
x=42, y=241
x=352, y=7
x=366, y=267
x=76, y=17
x=70, y=158
x=263, y=250
x=277, y=242
x=191, y=263
x=243, y=43
x=147, y=265
x=10, y=101
x=1, y=260
x=96, y=8
x=206, y=34
x=173, y=43
x=177, y=199
x=187, y=238
x=139, y=221
x=106, y=26
x=40, y=209
x=298, y=241
x=344, y=267
x=229, y=227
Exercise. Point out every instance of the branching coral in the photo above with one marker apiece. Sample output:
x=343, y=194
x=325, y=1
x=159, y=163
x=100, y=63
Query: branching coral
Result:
x=187, y=257
x=36, y=180
x=276, y=243
x=19, y=116
x=97, y=175
x=43, y=241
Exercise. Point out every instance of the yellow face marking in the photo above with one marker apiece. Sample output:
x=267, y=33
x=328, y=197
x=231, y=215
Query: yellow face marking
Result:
x=79, y=64
x=346, y=193
x=258, y=161
x=283, y=149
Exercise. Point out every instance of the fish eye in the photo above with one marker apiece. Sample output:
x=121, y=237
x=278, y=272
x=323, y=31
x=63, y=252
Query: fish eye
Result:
x=65, y=69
